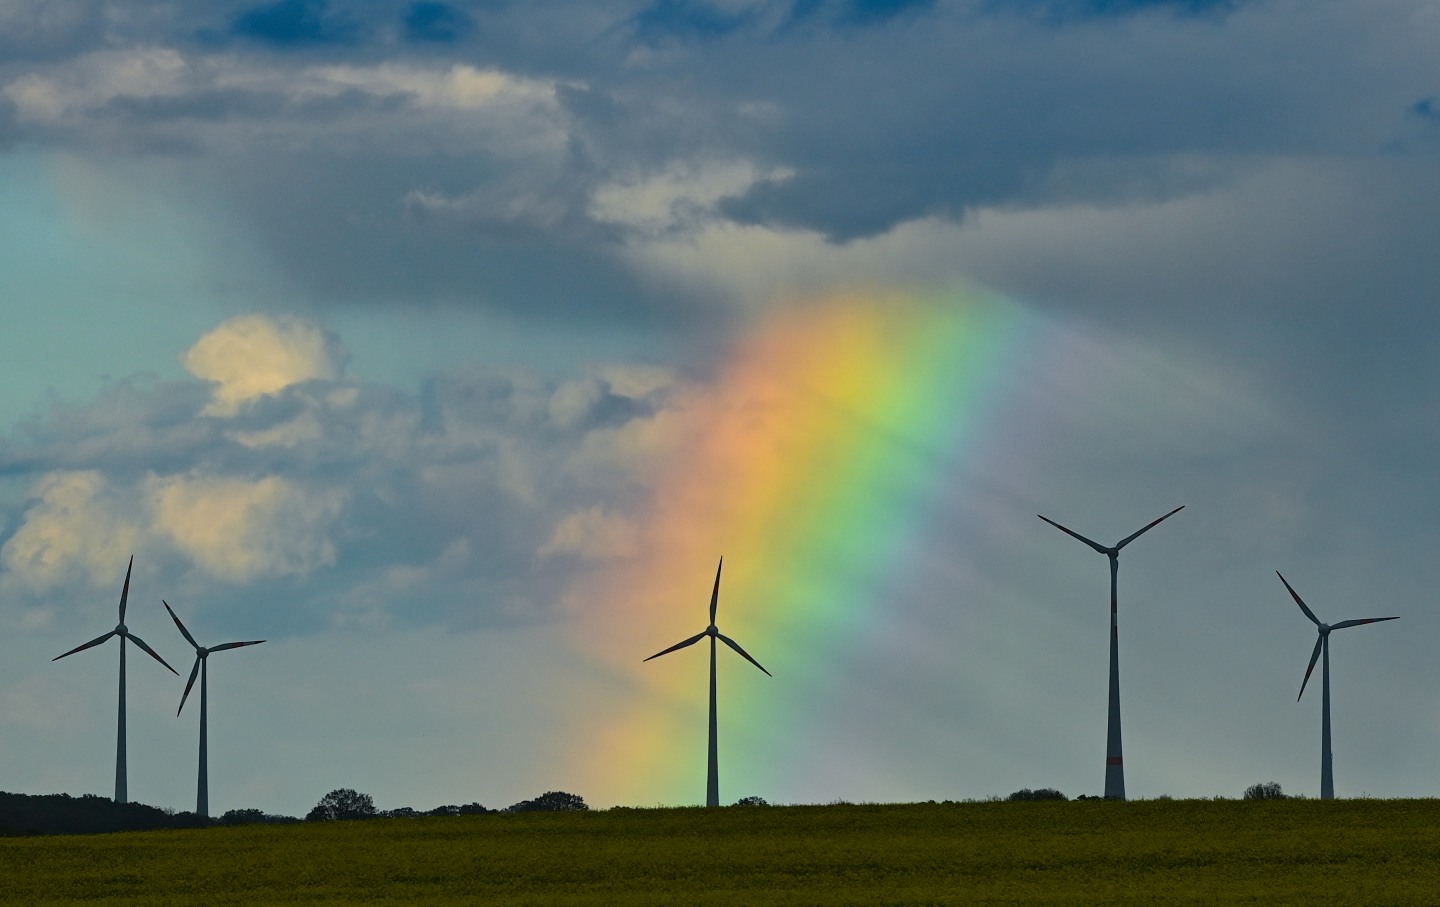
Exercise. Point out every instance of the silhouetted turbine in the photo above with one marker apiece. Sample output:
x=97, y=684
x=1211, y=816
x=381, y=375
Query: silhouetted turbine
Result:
x=122, y=631
x=202, y=654
x=1114, y=758
x=1322, y=646
x=712, y=781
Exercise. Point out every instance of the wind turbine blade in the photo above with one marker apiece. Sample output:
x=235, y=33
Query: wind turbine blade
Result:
x=188, y=684
x=186, y=633
x=125, y=592
x=1096, y=545
x=94, y=642
x=715, y=594
x=1130, y=538
x=141, y=643
x=1308, y=613
x=736, y=646
x=235, y=645
x=679, y=645
x=1363, y=620
x=1314, y=657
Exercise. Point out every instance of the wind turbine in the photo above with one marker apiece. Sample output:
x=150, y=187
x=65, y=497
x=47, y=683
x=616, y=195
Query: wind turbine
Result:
x=712, y=782
x=122, y=631
x=1322, y=645
x=1114, y=759
x=202, y=655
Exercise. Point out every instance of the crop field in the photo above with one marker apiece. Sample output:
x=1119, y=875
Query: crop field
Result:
x=1288, y=851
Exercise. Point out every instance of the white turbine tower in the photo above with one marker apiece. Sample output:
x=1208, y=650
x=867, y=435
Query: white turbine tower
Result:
x=1114, y=758
x=202, y=654
x=712, y=781
x=122, y=631
x=1322, y=646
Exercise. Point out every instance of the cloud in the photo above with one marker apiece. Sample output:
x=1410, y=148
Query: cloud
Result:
x=287, y=477
x=252, y=356
x=593, y=535
x=240, y=530
x=76, y=523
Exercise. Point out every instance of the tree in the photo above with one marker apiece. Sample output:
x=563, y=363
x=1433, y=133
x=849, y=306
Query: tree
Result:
x=1044, y=793
x=342, y=803
x=752, y=801
x=1270, y=790
x=550, y=801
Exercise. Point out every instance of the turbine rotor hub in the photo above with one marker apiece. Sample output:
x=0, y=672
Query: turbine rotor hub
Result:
x=201, y=651
x=121, y=630
x=1324, y=629
x=712, y=630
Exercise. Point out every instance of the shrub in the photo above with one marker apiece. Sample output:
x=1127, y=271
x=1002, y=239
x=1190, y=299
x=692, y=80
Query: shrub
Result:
x=752, y=801
x=1044, y=793
x=1270, y=790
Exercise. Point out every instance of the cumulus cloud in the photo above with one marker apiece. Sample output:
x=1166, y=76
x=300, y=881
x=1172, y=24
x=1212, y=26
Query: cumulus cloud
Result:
x=76, y=524
x=256, y=355
x=241, y=530
x=289, y=472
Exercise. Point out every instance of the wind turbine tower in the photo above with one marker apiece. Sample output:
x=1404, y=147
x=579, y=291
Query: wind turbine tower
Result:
x=1322, y=647
x=202, y=656
x=122, y=631
x=1114, y=758
x=712, y=778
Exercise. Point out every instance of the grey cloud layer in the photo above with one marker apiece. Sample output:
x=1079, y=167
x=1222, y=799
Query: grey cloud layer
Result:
x=511, y=141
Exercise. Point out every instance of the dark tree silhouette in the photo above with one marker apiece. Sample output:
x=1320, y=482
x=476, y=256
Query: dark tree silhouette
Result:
x=550, y=801
x=752, y=801
x=1270, y=790
x=342, y=803
x=1043, y=793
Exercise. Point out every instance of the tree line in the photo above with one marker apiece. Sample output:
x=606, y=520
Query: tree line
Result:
x=62, y=814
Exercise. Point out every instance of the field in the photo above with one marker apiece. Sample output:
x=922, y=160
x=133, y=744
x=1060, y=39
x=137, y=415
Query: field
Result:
x=1291, y=851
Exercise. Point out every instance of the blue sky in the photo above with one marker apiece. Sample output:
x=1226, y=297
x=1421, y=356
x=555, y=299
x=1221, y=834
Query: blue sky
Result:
x=332, y=312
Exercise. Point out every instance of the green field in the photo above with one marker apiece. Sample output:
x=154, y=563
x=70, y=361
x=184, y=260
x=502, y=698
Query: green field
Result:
x=1232, y=851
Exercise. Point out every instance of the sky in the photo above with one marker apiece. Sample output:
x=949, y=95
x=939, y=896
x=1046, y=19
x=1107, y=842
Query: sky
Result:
x=448, y=347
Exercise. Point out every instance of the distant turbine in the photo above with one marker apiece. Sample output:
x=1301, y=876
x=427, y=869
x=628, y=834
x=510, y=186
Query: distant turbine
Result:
x=712, y=782
x=122, y=631
x=1114, y=759
x=202, y=788
x=1322, y=645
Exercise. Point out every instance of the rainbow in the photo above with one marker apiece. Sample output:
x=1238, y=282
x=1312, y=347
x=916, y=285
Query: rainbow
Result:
x=811, y=462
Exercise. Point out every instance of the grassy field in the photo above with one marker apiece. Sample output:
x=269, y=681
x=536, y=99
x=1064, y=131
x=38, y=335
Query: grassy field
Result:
x=1182, y=851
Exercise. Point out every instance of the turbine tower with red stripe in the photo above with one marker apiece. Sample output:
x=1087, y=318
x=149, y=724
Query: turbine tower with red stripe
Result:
x=1322, y=647
x=1114, y=757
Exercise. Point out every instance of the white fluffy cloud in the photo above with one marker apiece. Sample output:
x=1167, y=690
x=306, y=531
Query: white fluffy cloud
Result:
x=254, y=355
x=77, y=524
x=241, y=530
